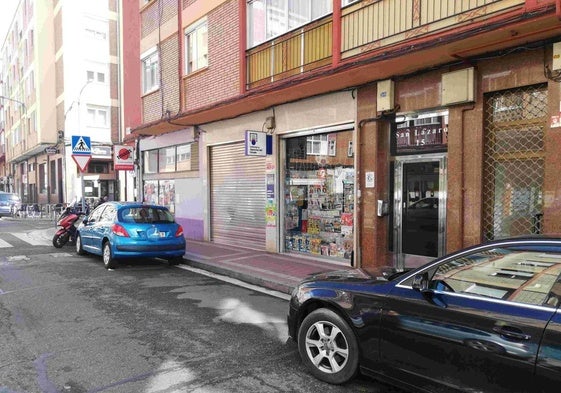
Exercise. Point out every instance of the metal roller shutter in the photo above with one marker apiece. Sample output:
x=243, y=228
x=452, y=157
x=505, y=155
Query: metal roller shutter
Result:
x=238, y=197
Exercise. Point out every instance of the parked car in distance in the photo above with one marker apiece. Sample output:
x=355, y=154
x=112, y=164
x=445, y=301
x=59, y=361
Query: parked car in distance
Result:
x=118, y=230
x=483, y=319
x=9, y=204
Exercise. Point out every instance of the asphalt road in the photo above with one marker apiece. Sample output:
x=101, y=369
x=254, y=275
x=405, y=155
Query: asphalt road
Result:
x=69, y=325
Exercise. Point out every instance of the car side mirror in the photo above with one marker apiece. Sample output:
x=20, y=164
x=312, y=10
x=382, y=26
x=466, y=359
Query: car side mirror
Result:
x=420, y=282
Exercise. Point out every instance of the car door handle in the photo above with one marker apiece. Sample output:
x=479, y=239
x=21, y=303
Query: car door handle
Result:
x=512, y=333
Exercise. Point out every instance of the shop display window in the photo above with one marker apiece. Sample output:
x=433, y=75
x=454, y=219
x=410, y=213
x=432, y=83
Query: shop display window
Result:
x=160, y=192
x=319, y=195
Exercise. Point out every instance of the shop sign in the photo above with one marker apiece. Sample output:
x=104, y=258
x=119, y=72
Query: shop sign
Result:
x=124, y=158
x=101, y=151
x=255, y=143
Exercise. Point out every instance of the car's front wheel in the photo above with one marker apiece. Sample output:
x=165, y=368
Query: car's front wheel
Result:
x=108, y=259
x=328, y=346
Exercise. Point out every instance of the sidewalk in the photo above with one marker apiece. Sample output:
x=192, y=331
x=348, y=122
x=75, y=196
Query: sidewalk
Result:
x=279, y=272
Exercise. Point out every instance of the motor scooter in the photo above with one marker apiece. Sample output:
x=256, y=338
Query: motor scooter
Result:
x=66, y=224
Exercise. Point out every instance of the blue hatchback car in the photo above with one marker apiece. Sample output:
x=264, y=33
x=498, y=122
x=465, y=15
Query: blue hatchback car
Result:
x=117, y=230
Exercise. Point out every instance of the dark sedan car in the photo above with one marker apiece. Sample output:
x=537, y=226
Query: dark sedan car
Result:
x=484, y=319
x=117, y=230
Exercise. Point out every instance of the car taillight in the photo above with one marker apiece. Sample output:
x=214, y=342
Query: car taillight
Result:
x=119, y=230
x=179, y=231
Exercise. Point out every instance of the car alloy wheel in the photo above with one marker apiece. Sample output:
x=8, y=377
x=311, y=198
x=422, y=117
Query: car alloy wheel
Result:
x=328, y=346
x=108, y=260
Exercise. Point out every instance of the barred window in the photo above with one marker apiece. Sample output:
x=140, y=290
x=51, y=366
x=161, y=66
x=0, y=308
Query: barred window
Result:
x=513, y=167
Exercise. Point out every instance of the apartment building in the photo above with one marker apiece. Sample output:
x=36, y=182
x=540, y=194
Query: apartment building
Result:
x=59, y=80
x=356, y=132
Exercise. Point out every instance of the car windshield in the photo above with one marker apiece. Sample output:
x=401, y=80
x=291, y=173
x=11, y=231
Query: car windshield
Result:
x=146, y=214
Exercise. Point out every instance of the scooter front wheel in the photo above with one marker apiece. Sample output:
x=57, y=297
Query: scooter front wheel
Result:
x=59, y=240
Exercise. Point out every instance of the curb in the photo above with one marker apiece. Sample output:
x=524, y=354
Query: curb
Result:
x=275, y=286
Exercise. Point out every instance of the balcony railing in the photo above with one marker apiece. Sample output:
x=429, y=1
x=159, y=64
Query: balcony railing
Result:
x=383, y=23
x=365, y=26
x=301, y=50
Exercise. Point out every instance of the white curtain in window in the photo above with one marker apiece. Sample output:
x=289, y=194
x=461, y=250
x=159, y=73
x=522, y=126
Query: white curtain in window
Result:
x=271, y=18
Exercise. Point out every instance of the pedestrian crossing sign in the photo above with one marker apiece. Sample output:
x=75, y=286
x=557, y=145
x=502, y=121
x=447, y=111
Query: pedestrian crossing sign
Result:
x=81, y=145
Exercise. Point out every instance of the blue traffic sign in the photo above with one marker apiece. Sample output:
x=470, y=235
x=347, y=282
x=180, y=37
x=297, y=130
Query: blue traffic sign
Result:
x=81, y=145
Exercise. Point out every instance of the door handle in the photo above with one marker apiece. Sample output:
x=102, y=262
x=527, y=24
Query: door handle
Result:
x=512, y=333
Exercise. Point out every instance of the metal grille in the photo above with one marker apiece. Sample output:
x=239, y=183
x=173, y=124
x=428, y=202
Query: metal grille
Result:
x=513, y=167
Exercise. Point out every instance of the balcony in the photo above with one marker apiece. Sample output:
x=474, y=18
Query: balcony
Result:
x=299, y=51
x=371, y=28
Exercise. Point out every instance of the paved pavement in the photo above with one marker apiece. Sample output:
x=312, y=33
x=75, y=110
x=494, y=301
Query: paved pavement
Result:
x=279, y=272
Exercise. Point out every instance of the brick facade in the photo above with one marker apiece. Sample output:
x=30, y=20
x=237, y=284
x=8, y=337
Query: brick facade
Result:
x=170, y=80
x=220, y=80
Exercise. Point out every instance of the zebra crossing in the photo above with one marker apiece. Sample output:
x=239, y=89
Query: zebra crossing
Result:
x=41, y=238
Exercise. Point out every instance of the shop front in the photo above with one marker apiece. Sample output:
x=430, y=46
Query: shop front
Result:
x=296, y=195
x=319, y=190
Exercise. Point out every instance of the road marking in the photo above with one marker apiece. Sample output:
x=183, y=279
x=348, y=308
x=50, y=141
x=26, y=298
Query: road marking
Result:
x=4, y=244
x=33, y=240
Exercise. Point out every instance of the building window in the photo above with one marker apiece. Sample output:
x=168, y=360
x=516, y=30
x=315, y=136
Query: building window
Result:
x=196, y=44
x=183, y=158
x=97, y=117
x=93, y=76
x=99, y=167
x=52, y=177
x=151, y=161
x=42, y=178
x=168, y=159
x=150, y=71
x=96, y=34
x=271, y=18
